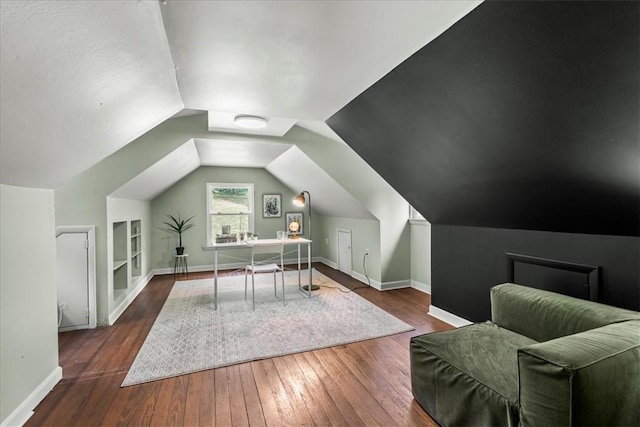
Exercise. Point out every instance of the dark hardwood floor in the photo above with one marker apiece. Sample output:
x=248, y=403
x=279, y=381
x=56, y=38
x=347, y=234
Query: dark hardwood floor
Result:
x=364, y=383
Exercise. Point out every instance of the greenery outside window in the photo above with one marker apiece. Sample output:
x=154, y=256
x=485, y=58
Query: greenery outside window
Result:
x=230, y=210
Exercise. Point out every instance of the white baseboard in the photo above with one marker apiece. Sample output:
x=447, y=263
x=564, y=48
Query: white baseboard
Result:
x=380, y=286
x=326, y=262
x=421, y=287
x=397, y=284
x=198, y=268
x=130, y=296
x=24, y=411
x=362, y=278
x=447, y=317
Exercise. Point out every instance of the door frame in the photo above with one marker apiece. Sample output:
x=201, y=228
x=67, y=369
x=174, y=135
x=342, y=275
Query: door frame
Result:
x=338, y=231
x=91, y=264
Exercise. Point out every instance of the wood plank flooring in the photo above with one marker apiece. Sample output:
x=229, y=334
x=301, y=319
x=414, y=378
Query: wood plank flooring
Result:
x=360, y=384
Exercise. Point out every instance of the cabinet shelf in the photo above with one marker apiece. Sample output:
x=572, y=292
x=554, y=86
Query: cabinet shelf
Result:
x=127, y=256
x=136, y=248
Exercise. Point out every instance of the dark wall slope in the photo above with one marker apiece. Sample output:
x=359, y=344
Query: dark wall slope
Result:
x=523, y=115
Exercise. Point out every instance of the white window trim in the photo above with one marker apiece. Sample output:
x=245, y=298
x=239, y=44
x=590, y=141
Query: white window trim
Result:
x=415, y=216
x=210, y=186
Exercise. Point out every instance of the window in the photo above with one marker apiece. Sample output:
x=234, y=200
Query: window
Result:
x=229, y=210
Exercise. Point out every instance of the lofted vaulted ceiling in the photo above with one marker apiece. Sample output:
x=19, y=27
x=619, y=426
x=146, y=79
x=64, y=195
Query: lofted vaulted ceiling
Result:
x=80, y=79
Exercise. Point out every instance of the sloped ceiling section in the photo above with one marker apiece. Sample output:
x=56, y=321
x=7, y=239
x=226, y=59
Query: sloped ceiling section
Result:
x=522, y=115
x=301, y=60
x=284, y=161
x=245, y=154
x=163, y=174
x=79, y=80
x=298, y=172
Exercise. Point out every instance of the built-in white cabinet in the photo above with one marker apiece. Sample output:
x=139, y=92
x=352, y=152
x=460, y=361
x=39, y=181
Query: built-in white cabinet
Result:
x=120, y=259
x=136, y=248
x=127, y=255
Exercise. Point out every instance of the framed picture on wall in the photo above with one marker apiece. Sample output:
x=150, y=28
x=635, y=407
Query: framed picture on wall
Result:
x=297, y=217
x=271, y=205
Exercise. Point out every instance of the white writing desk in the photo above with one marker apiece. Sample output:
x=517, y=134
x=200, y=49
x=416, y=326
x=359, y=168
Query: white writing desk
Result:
x=215, y=247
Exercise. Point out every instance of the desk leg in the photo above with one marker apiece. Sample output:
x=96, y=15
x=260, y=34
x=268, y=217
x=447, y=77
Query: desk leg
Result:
x=299, y=266
x=215, y=279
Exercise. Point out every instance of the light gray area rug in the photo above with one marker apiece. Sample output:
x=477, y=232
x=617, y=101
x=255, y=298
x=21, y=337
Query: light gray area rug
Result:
x=190, y=336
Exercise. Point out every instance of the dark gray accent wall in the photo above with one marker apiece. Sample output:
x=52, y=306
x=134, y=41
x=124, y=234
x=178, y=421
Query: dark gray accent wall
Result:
x=467, y=261
x=523, y=115
x=516, y=130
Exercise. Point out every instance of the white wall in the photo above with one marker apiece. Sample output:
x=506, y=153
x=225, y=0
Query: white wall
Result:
x=421, y=255
x=28, y=307
x=365, y=234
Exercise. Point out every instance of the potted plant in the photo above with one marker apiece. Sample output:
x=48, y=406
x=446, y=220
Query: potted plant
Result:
x=179, y=226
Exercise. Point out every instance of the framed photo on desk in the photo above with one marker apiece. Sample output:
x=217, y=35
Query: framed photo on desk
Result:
x=294, y=217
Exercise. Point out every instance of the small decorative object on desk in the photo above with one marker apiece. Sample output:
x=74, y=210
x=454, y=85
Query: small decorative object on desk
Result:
x=294, y=227
x=281, y=235
x=226, y=238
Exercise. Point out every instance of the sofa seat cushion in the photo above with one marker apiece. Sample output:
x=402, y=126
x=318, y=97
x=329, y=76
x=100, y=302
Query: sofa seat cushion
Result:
x=469, y=375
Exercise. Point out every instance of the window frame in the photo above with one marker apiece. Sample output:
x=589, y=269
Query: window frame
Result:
x=415, y=217
x=251, y=214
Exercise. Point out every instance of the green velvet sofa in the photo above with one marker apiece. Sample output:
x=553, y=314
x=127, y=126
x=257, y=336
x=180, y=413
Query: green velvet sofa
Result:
x=544, y=359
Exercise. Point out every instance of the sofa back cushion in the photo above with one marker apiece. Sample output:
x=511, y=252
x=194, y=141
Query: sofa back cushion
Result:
x=543, y=315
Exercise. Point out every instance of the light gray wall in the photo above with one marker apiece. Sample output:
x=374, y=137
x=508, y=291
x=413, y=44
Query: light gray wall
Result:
x=421, y=254
x=28, y=308
x=375, y=194
x=188, y=198
x=365, y=234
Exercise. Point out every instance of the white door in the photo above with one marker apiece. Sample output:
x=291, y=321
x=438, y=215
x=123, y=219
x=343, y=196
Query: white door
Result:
x=344, y=251
x=73, y=280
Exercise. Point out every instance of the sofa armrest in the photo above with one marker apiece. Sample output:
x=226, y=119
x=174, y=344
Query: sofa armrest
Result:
x=590, y=378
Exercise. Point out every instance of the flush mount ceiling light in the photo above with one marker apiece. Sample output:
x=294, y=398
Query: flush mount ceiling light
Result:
x=250, y=122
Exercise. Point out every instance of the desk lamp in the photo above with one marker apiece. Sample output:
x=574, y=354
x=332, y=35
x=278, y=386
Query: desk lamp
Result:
x=300, y=200
x=293, y=228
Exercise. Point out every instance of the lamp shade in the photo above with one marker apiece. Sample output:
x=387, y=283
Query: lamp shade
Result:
x=299, y=200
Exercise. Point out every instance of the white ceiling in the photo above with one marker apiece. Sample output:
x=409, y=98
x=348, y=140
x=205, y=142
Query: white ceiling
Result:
x=159, y=177
x=249, y=153
x=296, y=59
x=79, y=80
x=82, y=78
